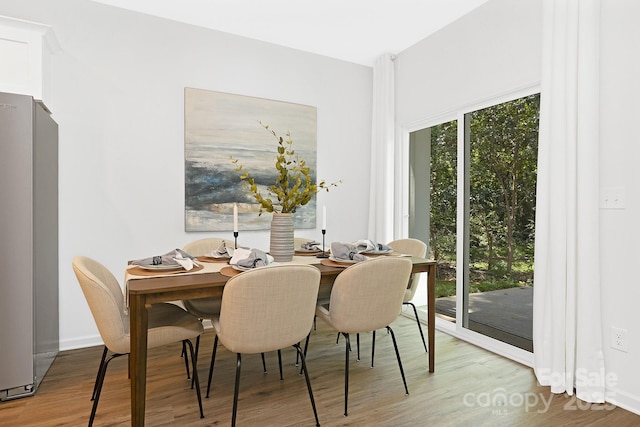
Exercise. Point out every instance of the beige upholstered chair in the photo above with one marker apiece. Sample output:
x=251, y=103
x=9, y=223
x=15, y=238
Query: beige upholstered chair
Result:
x=367, y=296
x=417, y=248
x=263, y=310
x=204, y=308
x=325, y=289
x=168, y=323
x=207, y=308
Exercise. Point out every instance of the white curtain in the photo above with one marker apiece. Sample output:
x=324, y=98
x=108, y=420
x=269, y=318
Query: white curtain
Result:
x=381, y=198
x=567, y=330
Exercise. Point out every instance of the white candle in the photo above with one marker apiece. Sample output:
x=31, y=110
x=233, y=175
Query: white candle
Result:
x=324, y=217
x=235, y=217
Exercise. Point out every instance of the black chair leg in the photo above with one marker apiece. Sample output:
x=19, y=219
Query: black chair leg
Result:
x=346, y=373
x=95, y=385
x=195, y=360
x=98, y=386
x=358, y=345
x=373, y=347
x=415, y=312
x=306, y=376
x=338, y=339
x=186, y=359
x=235, y=393
x=264, y=364
x=280, y=364
x=306, y=346
x=197, y=346
x=195, y=375
x=213, y=360
x=395, y=345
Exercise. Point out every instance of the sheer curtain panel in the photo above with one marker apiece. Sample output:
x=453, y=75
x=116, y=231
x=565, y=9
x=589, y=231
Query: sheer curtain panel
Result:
x=381, y=198
x=567, y=330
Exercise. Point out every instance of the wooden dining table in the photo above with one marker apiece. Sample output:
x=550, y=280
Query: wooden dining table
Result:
x=144, y=290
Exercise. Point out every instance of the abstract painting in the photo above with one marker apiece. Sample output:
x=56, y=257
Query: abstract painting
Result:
x=219, y=126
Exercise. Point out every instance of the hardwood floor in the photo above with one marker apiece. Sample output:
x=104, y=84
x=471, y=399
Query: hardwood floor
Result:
x=471, y=387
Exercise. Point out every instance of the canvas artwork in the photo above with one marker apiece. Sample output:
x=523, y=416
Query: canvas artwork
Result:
x=219, y=126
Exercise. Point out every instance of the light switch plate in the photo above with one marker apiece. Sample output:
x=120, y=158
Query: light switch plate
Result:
x=612, y=198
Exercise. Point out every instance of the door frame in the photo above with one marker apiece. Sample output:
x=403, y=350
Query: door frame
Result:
x=401, y=214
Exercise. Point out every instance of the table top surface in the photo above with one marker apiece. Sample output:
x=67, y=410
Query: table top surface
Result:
x=210, y=275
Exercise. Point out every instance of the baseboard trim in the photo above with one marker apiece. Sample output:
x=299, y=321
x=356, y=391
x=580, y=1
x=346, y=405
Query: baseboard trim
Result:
x=624, y=400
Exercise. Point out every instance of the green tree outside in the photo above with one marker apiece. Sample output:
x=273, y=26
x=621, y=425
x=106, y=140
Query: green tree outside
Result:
x=502, y=178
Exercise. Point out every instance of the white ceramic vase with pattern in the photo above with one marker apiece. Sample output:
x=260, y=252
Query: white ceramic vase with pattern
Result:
x=281, y=242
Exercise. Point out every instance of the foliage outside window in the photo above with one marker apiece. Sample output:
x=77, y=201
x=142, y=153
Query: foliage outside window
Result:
x=502, y=181
x=503, y=170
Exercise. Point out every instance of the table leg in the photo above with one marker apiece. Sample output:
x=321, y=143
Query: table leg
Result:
x=138, y=326
x=431, y=315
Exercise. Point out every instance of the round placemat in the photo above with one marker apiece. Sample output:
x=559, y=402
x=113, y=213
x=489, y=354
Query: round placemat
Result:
x=307, y=253
x=229, y=271
x=330, y=263
x=139, y=271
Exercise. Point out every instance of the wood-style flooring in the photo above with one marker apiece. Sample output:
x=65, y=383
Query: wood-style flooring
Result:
x=471, y=387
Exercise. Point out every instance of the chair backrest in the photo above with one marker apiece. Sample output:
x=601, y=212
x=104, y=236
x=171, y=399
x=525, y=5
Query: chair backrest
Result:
x=368, y=295
x=204, y=246
x=204, y=308
x=413, y=247
x=106, y=302
x=268, y=308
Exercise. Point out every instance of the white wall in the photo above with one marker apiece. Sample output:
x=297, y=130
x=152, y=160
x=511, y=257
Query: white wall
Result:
x=482, y=55
x=619, y=229
x=117, y=96
x=497, y=49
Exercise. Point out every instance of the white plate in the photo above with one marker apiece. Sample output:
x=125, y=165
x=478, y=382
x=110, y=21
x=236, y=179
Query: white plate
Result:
x=240, y=268
x=161, y=267
x=343, y=261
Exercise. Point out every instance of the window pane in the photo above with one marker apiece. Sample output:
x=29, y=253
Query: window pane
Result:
x=432, y=208
x=503, y=141
x=442, y=232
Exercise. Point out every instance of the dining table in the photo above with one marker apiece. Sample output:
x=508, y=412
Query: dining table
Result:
x=144, y=288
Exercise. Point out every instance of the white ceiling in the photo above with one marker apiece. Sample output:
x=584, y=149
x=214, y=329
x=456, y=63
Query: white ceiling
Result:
x=352, y=30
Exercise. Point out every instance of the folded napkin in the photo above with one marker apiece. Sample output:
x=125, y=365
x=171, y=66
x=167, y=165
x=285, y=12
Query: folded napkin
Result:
x=223, y=251
x=310, y=246
x=346, y=251
x=175, y=257
x=250, y=258
x=185, y=260
x=371, y=246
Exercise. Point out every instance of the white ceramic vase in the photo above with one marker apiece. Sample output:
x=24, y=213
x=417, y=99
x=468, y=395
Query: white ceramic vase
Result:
x=281, y=243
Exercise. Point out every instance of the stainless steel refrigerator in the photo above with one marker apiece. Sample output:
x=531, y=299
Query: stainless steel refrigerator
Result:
x=29, y=337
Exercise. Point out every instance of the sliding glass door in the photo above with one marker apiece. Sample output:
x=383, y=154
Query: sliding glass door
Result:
x=483, y=241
